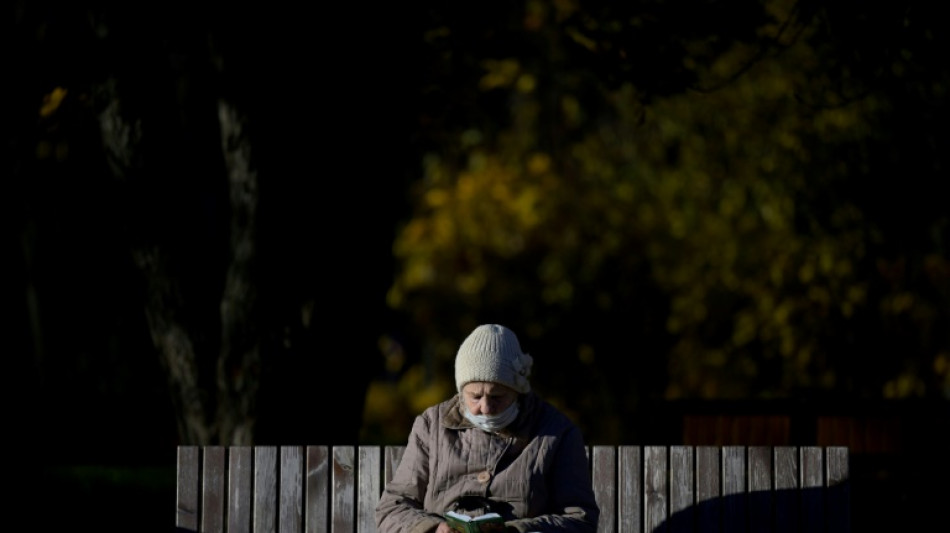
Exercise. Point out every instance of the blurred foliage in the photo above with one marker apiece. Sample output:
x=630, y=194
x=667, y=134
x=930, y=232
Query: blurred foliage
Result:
x=740, y=203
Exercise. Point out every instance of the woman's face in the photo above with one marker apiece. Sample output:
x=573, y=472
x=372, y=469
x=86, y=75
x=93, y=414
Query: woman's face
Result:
x=487, y=398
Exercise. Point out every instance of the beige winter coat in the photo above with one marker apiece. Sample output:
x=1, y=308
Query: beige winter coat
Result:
x=535, y=473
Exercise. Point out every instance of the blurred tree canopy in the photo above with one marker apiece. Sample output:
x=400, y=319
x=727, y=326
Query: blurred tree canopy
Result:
x=666, y=200
x=677, y=200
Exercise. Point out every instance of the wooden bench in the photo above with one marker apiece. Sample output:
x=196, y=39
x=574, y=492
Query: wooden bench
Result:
x=334, y=489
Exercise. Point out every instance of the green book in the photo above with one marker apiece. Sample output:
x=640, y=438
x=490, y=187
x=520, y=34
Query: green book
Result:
x=486, y=523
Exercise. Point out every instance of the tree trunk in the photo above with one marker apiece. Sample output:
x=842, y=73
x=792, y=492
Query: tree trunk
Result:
x=239, y=362
x=226, y=415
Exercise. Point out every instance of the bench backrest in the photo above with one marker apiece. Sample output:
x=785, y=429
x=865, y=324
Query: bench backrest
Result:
x=640, y=489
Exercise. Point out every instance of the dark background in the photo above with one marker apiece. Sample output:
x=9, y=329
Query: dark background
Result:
x=339, y=124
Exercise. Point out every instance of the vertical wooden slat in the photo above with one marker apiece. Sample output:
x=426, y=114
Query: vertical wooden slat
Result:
x=786, y=489
x=369, y=471
x=682, y=492
x=391, y=461
x=265, y=489
x=212, y=491
x=639, y=489
x=838, y=508
x=760, y=489
x=734, y=489
x=604, y=478
x=240, y=479
x=655, y=487
x=344, y=490
x=709, y=489
x=629, y=470
x=290, y=517
x=317, y=515
x=812, y=488
x=187, y=514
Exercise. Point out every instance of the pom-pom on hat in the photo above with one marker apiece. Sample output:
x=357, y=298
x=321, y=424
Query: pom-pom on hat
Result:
x=492, y=353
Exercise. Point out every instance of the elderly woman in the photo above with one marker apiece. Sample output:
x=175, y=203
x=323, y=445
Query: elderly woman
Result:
x=495, y=447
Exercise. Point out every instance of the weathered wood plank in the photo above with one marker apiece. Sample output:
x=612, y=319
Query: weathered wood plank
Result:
x=811, y=484
x=265, y=489
x=343, y=519
x=734, y=506
x=682, y=491
x=294, y=489
x=212, y=491
x=603, y=460
x=189, y=480
x=393, y=455
x=838, y=505
x=240, y=479
x=290, y=519
x=655, y=487
x=317, y=514
x=629, y=470
x=787, y=512
x=370, y=471
x=760, y=489
x=709, y=489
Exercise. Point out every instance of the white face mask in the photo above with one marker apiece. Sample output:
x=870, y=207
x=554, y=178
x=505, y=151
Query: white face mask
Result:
x=492, y=423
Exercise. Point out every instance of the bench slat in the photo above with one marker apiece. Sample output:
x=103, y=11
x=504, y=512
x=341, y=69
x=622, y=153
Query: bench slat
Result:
x=640, y=489
x=240, y=478
x=760, y=488
x=393, y=455
x=370, y=471
x=604, y=479
x=839, y=495
x=786, y=467
x=318, y=477
x=733, y=484
x=630, y=519
x=682, y=492
x=212, y=490
x=708, y=489
x=265, y=489
x=343, y=511
x=291, y=489
x=811, y=477
x=189, y=480
x=655, y=486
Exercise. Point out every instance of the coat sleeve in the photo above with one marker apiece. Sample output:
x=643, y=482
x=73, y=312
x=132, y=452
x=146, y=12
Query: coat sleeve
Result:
x=400, y=507
x=571, y=504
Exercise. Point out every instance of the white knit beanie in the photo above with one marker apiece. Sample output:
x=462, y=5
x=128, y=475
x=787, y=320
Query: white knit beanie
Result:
x=492, y=353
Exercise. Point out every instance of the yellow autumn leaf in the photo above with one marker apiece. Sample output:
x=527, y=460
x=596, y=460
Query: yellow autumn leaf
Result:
x=52, y=101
